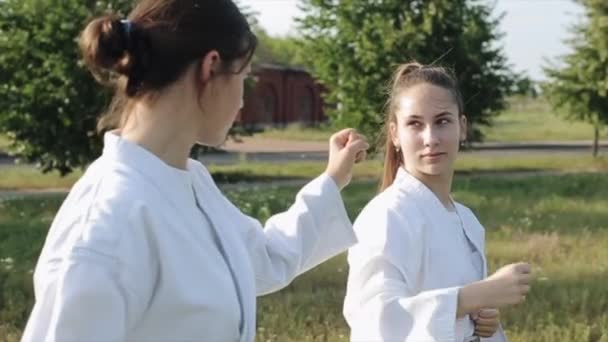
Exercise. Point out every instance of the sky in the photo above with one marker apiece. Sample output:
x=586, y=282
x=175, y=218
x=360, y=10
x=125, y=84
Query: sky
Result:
x=534, y=29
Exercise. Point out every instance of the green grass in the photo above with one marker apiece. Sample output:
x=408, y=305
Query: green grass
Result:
x=298, y=132
x=535, y=121
x=471, y=163
x=558, y=223
x=4, y=142
x=524, y=120
x=25, y=177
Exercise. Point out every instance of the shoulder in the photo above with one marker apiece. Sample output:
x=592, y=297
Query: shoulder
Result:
x=199, y=170
x=108, y=208
x=392, y=215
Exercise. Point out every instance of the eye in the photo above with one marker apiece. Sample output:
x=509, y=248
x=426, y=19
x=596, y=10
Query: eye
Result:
x=444, y=121
x=414, y=124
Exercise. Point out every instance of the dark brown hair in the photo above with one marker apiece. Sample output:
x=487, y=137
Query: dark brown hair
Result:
x=156, y=44
x=406, y=76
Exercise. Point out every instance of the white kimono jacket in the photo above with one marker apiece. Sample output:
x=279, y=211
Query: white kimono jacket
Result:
x=141, y=251
x=411, y=260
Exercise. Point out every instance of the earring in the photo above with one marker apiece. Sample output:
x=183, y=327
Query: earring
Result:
x=397, y=149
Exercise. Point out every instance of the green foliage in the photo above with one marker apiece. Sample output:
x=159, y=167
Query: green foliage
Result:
x=578, y=85
x=355, y=46
x=524, y=86
x=48, y=101
x=280, y=50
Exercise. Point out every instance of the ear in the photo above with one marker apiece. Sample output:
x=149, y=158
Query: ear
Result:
x=463, y=128
x=394, y=136
x=210, y=65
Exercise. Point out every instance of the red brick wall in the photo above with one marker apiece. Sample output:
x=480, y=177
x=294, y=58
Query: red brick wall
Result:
x=282, y=96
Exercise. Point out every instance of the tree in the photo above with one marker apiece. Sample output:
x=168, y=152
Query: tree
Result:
x=272, y=50
x=279, y=50
x=49, y=102
x=579, y=85
x=355, y=45
x=524, y=86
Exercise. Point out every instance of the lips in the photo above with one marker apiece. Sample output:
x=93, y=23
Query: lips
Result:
x=433, y=155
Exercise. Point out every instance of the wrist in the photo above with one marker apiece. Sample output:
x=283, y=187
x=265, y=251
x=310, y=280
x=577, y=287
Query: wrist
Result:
x=471, y=298
x=334, y=177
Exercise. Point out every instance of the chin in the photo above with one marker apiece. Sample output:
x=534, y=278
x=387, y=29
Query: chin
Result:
x=211, y=142
x=433, y=170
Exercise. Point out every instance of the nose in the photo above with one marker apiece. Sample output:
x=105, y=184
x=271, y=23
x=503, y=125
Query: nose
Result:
x=430, y=136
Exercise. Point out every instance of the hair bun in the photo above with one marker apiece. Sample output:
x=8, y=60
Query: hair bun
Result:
x=104, y=46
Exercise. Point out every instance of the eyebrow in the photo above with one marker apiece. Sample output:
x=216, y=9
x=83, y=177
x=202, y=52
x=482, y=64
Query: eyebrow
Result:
x=442, y=114
x=437, y=116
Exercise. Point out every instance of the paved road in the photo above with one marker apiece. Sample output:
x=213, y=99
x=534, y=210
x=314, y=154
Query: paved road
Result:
x=317, y=152
x=486, y=149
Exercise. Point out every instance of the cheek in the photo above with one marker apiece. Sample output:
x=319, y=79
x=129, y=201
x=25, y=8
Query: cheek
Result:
x=238, y=95
x=411, y=143
x=446, y=132
x=450, y=139
x=240, y=86
x=230, y=99
x=410, y=138
x=453, y=135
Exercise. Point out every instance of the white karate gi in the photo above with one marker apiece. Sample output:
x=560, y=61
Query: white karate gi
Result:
x=142, y=251
x=412, y=258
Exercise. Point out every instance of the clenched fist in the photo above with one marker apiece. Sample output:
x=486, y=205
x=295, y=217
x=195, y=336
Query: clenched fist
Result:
x=346, y=148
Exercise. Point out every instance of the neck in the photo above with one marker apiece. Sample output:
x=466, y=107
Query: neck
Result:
x=440, y=185
x=163, y=131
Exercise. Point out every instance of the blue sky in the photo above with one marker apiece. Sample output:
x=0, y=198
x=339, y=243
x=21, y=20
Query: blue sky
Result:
x=534, y=29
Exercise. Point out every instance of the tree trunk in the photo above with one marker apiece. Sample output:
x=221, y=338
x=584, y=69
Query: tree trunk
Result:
x=596, y=139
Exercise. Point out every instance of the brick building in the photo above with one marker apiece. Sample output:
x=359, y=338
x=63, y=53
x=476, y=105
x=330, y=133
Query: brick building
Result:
x=281, y=96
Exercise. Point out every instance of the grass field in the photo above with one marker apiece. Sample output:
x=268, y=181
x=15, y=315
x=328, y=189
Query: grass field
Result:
x=26, y=177
x=298, y=132
x=524, y=120
x=536, y=121
x=558, y=223
x=3, y=143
